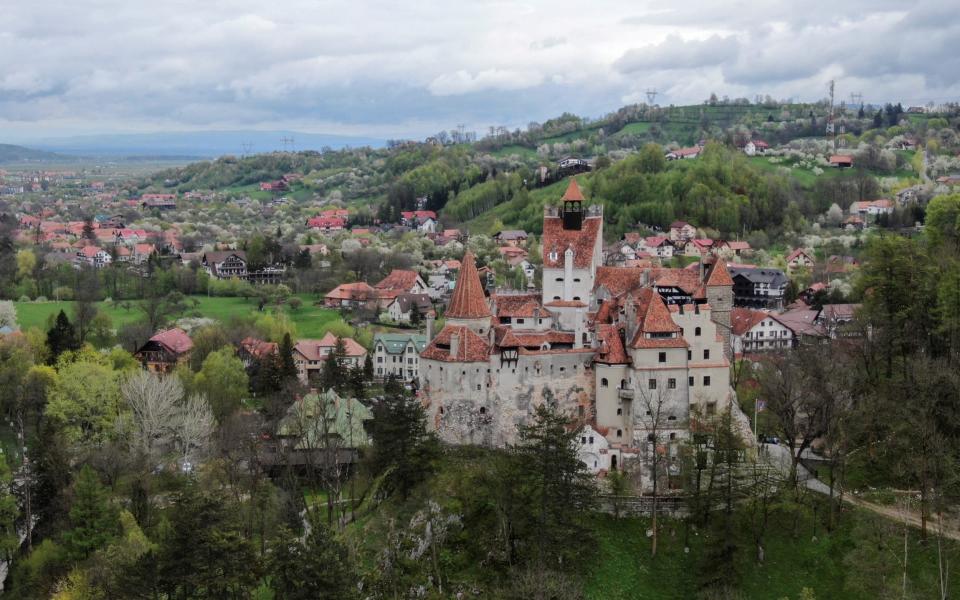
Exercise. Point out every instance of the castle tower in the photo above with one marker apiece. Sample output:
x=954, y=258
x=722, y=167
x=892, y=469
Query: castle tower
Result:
x=719, y=286
x=468, y=305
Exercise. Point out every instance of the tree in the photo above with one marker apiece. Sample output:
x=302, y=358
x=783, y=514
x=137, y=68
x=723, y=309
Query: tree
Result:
x=93, y=521
x=943, y=221
x=653, y=403
x=333, y=375
x=288, y=367
x=9, y=538
x=203, y=555
x=85, y=402
x=318, y=568
x=402, y=446
x=8, y=315
x=153, y=401
x=61, y=337
x=561, y=489
x=194, y=425
x=223, y=381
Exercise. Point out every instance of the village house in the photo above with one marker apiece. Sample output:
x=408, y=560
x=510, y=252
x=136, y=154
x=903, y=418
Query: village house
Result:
x=800, y=259
x=681, y=231
x=841, y=161
x=327, y=224
x=165, y=350
x=398, y=355
x=758, y=287
x=698, y=247
x=225, y=264
x=252, y=350
x=836, y=320
x=758, y=331
x=404, y=306
x=754, y=147
x=321, y=428
x=399, y=281
x=351, y=295
x=94, y=256
x=729, y=250
x=309, y=355
x=656, y=245
x=872, y=208
x=511, y=237
x=684, y=153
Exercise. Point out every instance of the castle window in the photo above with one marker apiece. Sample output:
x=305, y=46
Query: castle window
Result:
x=619, y=411
x=559, y=279
x=576, y=297
x=706, y=355
x=576, y=280
x=604, y=382
x=478, y=387
x=696, y=331
x=580, y=413
x=652, y=384
x=663, y=357
x=583, y=440
x=619, y=433
x=673, y=436
x=441, y=410
x=690, y=381
x=671, y=418
x=556, y=297
x=672, y=383
x=483, y=410
x=689, y=354
x=706, y=380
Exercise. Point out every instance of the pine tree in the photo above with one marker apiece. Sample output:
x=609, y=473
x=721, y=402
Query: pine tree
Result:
x=288, y=367
x=560, y=486
x=61, y=337
x=317, y=568
x=368, y=368
x=333, y=376
x=88, y=231
x=93, y=520
x=402, y=443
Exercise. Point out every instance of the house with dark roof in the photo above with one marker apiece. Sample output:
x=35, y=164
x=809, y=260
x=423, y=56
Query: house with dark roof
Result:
x=403, y=306
x=758, y=287
x=225, y=264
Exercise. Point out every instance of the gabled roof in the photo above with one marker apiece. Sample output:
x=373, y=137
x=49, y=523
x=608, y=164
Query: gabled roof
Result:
x=398, y=279
x=653, y=317
x=619, y=280
x=359, y=290
x=396, y=343
x=743, y=320
x=583, y=241
x=258, y=348
x=218, y=256
x=772, y=277
x=175, y=340
x=317, y=349
x=797, y=253
x=406, y=302
x=470, y=346
x=468, y=301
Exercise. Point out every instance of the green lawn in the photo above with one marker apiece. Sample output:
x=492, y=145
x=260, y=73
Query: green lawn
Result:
x=312, y=321
x=521, y=151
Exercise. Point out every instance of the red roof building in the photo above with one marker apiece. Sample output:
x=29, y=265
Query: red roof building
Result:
x=468, y=300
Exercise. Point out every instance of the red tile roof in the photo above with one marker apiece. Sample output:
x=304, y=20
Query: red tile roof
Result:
x=468, y=301
x=175, y=340
x=743, y=319
x=797, y=253
x=653, y=317
x=400, y=280
x=258, y=348
x=507, y=337
x=358, y=291
x=318, y=349
x=719, y=274
x=470, y=346
x=619, y=280
x=556, y=239
x=573, y=192
x=611, y=350
x=516, y=305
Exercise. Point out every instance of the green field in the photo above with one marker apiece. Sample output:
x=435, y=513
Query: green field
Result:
x=311, y=321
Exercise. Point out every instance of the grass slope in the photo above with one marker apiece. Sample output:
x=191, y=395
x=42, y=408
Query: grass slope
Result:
x=311, y=321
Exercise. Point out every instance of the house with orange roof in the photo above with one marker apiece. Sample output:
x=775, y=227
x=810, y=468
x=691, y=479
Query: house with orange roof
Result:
x=800, y=259
x=399, y=281
x=351, y=295
x=310, y=355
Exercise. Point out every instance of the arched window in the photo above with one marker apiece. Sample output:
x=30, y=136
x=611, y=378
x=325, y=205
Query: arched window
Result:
x=483, y=410
x=623, y=384
x=696, y=331
x=604, y=382
x=619, y=433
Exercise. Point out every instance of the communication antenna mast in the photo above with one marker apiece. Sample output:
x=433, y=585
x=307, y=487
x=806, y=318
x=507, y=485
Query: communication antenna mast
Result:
x=856, y=98
x=246, y=147
x=651, y=96
x=287, y=144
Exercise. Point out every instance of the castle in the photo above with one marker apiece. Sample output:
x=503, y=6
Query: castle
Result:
x=626, y=350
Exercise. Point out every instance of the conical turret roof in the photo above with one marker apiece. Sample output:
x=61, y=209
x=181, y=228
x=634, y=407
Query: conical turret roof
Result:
x=468, y=301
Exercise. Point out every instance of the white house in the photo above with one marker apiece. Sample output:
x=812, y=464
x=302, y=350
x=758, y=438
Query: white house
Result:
x=758, y=331
x=398, y=354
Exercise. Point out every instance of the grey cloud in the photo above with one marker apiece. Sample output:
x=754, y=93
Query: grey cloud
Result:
x=675, y=53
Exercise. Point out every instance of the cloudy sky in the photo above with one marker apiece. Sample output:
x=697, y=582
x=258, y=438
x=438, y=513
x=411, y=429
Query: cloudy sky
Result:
x=391, y=69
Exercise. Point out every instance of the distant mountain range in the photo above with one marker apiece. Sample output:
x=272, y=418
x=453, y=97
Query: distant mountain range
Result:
x=199, y=144
x=13, y=154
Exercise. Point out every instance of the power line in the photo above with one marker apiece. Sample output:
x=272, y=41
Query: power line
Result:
x=651, y=96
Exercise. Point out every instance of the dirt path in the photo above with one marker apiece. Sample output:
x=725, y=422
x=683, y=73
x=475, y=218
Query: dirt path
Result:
x=911, y=517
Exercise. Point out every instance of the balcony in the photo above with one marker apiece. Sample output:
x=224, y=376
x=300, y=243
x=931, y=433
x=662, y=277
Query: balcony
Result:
x=625, y=394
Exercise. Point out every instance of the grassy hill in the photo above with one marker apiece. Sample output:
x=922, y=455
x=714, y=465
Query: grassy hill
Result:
x=10, y=153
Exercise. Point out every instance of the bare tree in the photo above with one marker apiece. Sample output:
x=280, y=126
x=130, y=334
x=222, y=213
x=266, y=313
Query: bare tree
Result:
x=154, y=402
x=653, y=415
x=194, y=425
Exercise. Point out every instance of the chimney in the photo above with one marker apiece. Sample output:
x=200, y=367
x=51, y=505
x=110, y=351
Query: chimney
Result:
x=429, y=328
x=454, y=344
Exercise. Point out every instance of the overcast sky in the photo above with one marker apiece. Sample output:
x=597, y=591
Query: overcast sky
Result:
x=393, y=69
